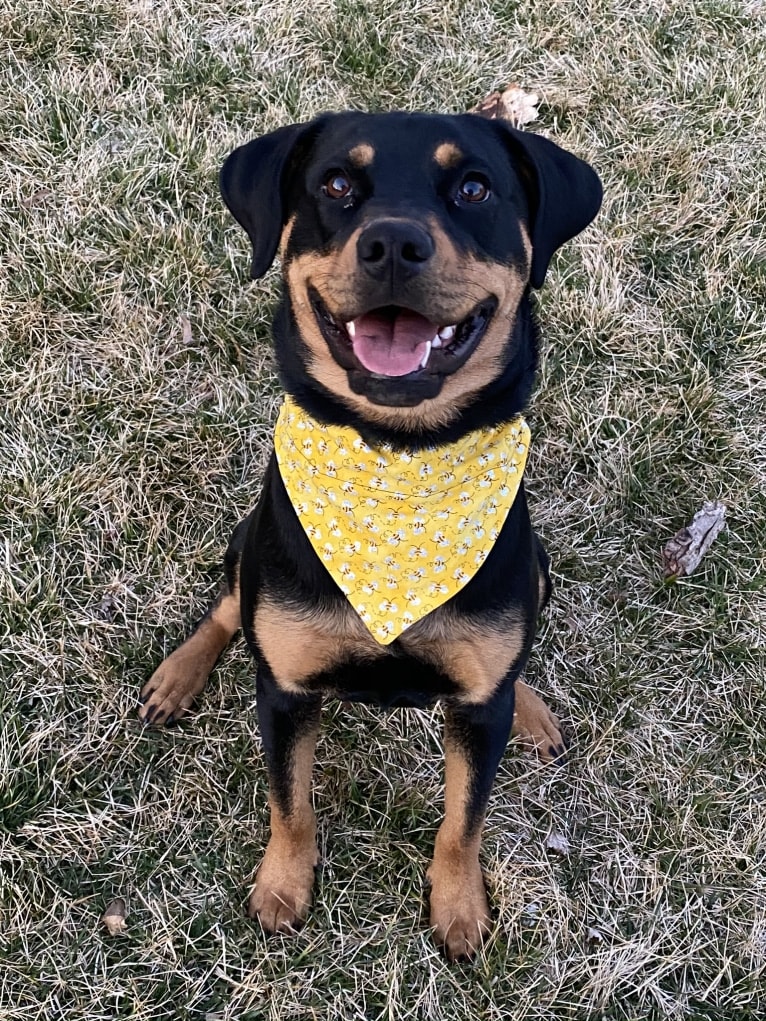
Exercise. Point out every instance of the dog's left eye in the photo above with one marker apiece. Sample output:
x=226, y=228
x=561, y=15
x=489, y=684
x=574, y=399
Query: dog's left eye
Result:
x=474, y=189
x=337, y=185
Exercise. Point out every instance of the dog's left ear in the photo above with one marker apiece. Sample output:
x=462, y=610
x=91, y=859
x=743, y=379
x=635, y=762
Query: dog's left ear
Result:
x=252, y=184
x=565, y=195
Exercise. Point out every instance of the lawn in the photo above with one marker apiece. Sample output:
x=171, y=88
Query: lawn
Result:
x=138, y=393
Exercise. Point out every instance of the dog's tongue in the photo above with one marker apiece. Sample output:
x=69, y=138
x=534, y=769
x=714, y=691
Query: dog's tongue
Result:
x=391, y=343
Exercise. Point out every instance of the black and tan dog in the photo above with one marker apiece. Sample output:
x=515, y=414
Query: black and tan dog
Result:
x=409, y=244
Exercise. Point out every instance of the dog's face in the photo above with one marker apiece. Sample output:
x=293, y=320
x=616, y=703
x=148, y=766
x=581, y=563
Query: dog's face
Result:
x=408, y=242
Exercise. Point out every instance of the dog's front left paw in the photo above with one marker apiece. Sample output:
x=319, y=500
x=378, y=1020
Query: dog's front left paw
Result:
x=460, y=917
x=281, y=898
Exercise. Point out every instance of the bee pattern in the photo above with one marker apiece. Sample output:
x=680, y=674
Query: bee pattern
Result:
x=415, y=526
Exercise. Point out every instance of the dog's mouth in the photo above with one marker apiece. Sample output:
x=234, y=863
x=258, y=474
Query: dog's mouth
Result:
x=397, y=343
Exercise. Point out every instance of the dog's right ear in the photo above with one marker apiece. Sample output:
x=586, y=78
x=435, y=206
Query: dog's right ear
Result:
x=252, y=184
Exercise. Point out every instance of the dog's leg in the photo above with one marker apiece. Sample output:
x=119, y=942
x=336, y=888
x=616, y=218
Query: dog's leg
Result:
x=474, y=741
x=536, y=726
x=288, y=724
x=174, y=685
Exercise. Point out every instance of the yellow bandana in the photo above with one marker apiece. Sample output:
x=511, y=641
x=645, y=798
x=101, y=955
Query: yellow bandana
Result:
x=400, y=532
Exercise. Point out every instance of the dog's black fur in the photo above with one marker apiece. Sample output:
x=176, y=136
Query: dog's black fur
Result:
x=456, y=218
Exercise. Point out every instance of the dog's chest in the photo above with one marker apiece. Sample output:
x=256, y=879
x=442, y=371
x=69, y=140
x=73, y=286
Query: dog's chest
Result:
x=400, y=533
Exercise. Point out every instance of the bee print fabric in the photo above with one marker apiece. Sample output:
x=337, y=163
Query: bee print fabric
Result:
x=399, y=532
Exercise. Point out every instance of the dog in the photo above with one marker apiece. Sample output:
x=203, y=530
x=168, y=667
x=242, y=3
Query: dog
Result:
x=390, y=558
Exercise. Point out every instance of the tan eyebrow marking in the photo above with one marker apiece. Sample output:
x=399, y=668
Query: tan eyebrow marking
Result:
x=447, y=154
x=362, y=155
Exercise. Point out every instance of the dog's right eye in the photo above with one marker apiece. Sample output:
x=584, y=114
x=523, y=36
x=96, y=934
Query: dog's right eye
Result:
x=337, y=185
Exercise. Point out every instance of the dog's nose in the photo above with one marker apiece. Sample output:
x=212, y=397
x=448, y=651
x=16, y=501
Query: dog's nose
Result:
x=394, y=248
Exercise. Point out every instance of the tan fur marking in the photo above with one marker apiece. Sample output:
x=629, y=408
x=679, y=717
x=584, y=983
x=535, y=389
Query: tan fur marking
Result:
x=226, y=613
x=474, y=654
x=541, y=587
x=457, y=786
x=448, y=154
x=281, y=897
x=285, y=237
x=298, y=643
x=362, y=155
x=176, y=682
x=446, y=294
x=459, y=909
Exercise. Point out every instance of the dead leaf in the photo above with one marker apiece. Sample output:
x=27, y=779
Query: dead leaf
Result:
x=684, y=551
x=593, y=936
x=531, y=912
x=511, y=104
x=186, y=335
x=108, y=606
x=488, y=107
x=519, y=106
x=114, y=917
x=37, y=198
x=556, y=841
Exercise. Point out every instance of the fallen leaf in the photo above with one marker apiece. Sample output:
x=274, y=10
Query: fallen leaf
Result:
x=37, y=198
x=688, y=546
x=107, y=608
x=557, y=842
x=511, y=104
x=519, y=106
x=114, y=916
x=531, y=912
x=488, y=107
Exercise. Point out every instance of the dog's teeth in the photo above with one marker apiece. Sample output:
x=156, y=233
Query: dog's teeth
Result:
x=426, y=356
x=437, y=341
x=447, y=332
x=350, y=328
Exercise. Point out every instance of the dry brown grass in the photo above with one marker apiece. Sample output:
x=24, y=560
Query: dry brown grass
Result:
x=130, y=448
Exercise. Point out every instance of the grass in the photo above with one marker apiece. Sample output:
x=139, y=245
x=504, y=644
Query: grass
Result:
x=138, y=392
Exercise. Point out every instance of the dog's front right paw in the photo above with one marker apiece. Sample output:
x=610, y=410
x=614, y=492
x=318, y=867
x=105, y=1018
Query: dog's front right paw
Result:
x=173, y=687
x=281, y=898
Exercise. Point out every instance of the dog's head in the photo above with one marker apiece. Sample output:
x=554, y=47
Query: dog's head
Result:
x=408, y=243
